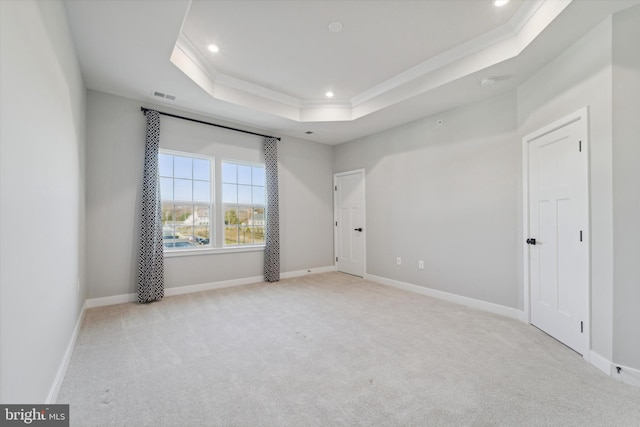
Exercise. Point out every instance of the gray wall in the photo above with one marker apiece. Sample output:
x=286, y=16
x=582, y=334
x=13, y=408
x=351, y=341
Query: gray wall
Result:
x=626, y=187
x=42, y=141
x=116, y=129
x=445, y=194
x=581, y=76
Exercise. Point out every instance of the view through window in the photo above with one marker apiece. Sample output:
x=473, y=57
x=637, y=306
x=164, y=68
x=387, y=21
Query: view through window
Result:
x=243, y=199
x=186, y=194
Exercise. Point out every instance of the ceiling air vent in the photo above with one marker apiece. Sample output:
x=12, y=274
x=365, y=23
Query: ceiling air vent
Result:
x=164, y=95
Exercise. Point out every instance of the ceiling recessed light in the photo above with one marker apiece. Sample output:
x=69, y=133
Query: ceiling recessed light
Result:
x=329, y=94
x=213, y=48
x=499, y=3
x=335, y=26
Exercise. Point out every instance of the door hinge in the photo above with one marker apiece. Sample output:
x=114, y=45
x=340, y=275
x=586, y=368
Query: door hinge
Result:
x=580, y=146
x=335, y=188
x=336, y=259
x=336, y=223
x=581, y=327
x=581, y=235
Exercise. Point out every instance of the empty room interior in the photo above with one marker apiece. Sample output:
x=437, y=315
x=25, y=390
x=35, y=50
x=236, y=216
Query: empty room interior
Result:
x=321, y=212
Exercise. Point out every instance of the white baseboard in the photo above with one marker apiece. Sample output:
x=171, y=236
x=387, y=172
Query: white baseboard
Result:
x=62, y=369
x=113, y=300
x=621, y=373
x=626, y=375
x=189, y=289
x=446, y=296
x=600, y=362
x=181, y=290
x=299, y=273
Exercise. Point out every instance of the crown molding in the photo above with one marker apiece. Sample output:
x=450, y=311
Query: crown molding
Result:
x=498, y=45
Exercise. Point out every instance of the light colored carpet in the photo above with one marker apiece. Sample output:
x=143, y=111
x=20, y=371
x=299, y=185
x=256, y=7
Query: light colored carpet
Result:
x=329, y=350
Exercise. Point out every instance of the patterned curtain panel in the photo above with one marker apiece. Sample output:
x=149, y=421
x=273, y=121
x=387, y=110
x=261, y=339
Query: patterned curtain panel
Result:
x=272, y=232
x=151, y=264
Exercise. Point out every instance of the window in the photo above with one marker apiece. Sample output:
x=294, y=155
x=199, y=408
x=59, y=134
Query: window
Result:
x=189, y=207
x=243, y=200
x=187, y=203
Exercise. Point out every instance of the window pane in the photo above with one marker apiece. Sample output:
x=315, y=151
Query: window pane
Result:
x=257, y=218
x=166, y=188
x=258, y=235
x=245, y=235
x=230, y=235
x=182, y=189
x=184, y=232
x=183, y=167
x=201, y=226
x=257, y=175
x=191, y=226
x=175, y=232
x=201, y=191
x=258, y=195
x=229, y=193
x=202, y=169
x=183, y=215
x=168, y=230
x=229, y=173
x=244, y=174
x=244, y=194
x=244, y=215
x=202, y=215
x=201, y=235
x=231, y=215
x=165, y=163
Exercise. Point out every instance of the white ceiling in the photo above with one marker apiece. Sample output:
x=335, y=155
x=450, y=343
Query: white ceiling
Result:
x=393, y=62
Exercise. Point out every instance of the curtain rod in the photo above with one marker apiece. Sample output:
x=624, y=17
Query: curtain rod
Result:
x=144, y=111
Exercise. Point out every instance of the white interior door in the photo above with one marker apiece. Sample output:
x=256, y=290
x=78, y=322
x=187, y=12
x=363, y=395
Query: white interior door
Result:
x=558, y=240
x=349, y=222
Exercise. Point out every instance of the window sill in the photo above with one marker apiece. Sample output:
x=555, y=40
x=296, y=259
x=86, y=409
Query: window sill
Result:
x=211, y=251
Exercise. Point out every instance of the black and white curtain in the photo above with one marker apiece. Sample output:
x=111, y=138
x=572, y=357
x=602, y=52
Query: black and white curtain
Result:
x=272, y=232
x=151, y=264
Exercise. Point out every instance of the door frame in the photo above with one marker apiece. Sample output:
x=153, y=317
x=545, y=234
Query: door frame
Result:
x=362, y=174
x=581, y=116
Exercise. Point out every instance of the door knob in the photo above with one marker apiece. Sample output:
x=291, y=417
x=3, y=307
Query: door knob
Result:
x=531, y=241
x=358, y=229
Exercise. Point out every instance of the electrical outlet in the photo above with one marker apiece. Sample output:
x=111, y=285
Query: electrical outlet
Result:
x=421, y=265
x=398, y=261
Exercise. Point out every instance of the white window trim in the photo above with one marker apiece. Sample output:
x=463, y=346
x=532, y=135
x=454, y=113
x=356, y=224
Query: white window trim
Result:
x=212, y=251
